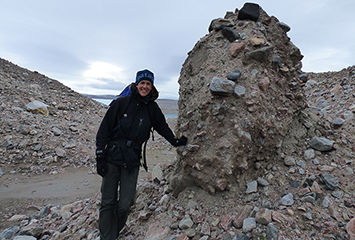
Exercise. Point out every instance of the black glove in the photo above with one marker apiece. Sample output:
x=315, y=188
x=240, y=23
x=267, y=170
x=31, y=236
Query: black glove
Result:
x=101, y=166
x=180, y=141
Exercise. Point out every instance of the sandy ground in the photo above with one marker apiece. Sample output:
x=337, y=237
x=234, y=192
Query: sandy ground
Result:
x=19, y=193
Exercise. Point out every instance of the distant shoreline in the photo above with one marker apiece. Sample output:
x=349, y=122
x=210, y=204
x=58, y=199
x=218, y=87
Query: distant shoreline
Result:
x=168, y=106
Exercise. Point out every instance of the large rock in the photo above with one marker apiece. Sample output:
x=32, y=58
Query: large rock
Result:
x=38, y=107
x=233, y=133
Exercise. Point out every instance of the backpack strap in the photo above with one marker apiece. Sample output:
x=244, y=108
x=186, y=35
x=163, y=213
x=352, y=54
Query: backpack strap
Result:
x=144, y=162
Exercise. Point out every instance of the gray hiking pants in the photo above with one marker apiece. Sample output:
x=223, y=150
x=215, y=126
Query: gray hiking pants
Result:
x=113, y=213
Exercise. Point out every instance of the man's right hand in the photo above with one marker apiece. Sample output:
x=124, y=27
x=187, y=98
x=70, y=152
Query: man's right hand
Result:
x=101, y=166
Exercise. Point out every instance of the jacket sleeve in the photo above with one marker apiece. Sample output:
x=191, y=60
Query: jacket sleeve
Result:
x=160, y=125
x=106, y=126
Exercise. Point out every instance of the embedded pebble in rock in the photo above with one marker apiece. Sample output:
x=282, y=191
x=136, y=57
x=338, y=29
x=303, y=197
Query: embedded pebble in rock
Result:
x=230, y=34
x=321, y=144
x=252, y=187
x=239, y=91
x=234, y=75
x=222, y=86
x=284, y=26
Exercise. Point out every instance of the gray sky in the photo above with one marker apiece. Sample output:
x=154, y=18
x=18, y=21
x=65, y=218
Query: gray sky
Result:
x=96, y=47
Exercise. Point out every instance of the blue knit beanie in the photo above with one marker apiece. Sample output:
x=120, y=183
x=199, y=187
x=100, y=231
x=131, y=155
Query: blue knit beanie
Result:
x=145, y=75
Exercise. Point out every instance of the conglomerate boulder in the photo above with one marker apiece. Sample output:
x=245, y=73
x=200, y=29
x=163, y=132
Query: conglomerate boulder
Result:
x=240, y=89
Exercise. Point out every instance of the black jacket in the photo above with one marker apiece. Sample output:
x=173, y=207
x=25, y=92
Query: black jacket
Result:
x=126, y=126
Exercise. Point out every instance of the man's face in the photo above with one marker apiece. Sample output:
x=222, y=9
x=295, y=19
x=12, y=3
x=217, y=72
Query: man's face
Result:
x=144, y=87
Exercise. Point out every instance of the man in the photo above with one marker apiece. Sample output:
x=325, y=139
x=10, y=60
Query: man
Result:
x=123, y=130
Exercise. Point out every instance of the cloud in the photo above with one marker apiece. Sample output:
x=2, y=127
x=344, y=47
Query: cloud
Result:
x=102, y=70
x=98, y=46
x=322, y=59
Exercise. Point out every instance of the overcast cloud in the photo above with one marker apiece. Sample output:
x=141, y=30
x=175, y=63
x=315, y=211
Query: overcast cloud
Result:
x=96, y=47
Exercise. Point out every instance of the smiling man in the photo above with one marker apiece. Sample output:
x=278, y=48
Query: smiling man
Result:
x=124, y=129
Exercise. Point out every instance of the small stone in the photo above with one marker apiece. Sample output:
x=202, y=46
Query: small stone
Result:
x=309, y=154
x=252, y=187
x=223, y=87
x=263, y=216
x=276, y=62
x=144, y=215
x=264, y=84
x=186, y=223
x=165, y=199
x=249, y=224
x=260, y=54
x=310, y=197
x=25, y=238
x=60, y=152
x=326, y=202
x=284, y=26
x=73, y=128
x=234, y=76
x=56, y=131
x=289, y=161
x=190, y=232
x=337, y=123
x=321, y=144
x=244, y=213
x=17, y=217
x=44, y=211
x=262, y=182
x=239, y=91
x=271, y=232
x=308, y=216
x=219, y=23
x=287, y=200
x=6, y=143
x=236, y=48
x=338, y=194
x=330, y=181
x=2, y=172
x=301, y=163
x=294, y=184
x=8, y=233
x=157, y=172
x=230, y=34
x=221, y=184
x=205, y=229
x=257, y=41
x=38, y=107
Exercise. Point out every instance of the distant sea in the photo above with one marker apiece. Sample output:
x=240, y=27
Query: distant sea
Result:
x=104, y=101
x=108, y=101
